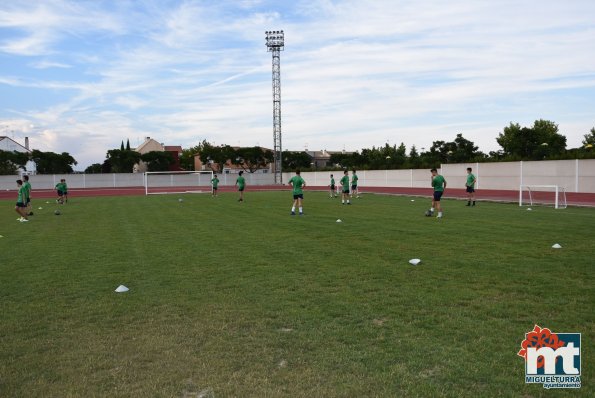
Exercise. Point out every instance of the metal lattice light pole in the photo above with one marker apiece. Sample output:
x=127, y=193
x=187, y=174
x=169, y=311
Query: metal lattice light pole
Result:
x=275, y=41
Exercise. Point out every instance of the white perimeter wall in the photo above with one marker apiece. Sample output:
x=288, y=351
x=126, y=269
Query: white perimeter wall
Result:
x=573, y=175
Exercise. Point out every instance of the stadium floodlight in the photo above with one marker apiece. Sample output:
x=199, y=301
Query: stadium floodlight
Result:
x=275, y=42
x=166, y=182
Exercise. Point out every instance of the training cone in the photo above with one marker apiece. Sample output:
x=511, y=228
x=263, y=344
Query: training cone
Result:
x=556, y=246
x=414, y=261
x=339, y=220
x=121, y=289
x=529, y=209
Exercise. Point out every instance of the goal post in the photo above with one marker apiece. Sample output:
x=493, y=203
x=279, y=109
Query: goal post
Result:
x=167, y=182
x=547, y=195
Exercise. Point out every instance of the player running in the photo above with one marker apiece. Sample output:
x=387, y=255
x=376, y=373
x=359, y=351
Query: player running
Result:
x=298, y=184
x=60, y=188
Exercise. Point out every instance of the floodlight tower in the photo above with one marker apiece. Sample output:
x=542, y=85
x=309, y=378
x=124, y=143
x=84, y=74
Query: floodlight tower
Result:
x=275, y=42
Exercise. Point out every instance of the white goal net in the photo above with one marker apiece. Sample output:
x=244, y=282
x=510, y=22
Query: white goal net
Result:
x=165, y=182
x=545, y=195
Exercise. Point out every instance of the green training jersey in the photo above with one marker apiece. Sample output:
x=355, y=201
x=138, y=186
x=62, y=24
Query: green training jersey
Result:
x=470, y=180
x=241, y=182
x=298, y=183
x=438, y=183
x=22, y=194
x=215, y=182
x=345, y=182
x=27, y=187
x=332, y=182
x=354, y=180
x=61, y=187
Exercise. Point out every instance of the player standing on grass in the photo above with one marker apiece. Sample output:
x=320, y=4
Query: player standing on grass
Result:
x=439, y=184
x=241, y=184
x=298, y=194
x=21, y=205
x=345, y=183
x=332, y=186
x=215, y=183
x=470, y=184
x=354, y=190
x=27, y=186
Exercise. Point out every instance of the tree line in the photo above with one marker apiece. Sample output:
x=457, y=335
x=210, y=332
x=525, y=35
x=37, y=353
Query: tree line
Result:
x=541, y=141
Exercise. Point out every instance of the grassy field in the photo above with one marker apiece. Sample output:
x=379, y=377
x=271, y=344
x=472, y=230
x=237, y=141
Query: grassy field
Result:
x=230, y=299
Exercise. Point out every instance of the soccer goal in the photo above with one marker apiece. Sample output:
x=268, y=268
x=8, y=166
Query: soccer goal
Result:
x=166, y=182
x=546, y=195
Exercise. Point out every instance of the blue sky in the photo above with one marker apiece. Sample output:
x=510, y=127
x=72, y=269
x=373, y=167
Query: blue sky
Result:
x=81, y=76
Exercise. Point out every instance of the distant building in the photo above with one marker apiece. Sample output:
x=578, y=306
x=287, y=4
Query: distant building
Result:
x=322, y=158
x=150, y=145
x=9, y=145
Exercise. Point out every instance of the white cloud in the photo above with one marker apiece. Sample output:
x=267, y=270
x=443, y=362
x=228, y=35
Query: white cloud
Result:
x=354, y=73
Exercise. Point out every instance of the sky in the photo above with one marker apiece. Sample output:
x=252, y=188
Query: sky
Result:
x=83, y=76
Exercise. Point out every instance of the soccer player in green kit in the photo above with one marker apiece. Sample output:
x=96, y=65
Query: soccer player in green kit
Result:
x=470, y=185
x=241, y=184
x=354, y=190
x=345, y=183
x=214, y=183
x=27, y=186
x=298, y=184
x=332, y=186
x=21, y=205
x=60, y=189
x=439, y=184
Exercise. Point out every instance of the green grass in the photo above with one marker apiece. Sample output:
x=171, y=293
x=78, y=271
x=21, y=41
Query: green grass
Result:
x=243, y=300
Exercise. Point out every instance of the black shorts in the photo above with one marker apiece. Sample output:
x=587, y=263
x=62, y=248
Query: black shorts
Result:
x=354, y=187
x=437, y=195
x=214, y=188
x=470, y=189
x=21, y=204
x=65, y=192
x=241, y=189
x=332, y=187
x=299, y=196
x=60, y=193
x=345, y=190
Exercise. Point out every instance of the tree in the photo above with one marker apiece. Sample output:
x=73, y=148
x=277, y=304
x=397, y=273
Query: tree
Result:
x=157, y=160
x=296, y=160
x=253, y=158
x=95, y=168
x=127, y=144
x=122, y=161
x=53, y=163
x=11, y=161
x=589, y=139
x=122, y=145
x=539, y=142
x=215, y=157
x=187, y=157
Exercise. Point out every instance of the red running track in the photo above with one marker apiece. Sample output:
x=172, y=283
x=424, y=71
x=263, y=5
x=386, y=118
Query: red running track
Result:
x=573, y=199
